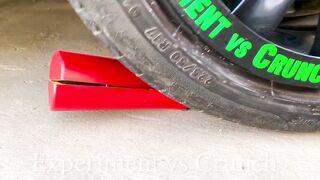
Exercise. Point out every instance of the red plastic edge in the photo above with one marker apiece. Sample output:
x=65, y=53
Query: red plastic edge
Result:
x=69, y=66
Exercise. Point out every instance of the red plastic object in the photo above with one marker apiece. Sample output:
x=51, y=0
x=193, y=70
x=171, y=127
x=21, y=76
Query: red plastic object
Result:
x=84, y=82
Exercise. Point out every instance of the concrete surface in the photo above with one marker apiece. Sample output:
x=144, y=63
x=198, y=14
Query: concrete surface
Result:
x=38, y=144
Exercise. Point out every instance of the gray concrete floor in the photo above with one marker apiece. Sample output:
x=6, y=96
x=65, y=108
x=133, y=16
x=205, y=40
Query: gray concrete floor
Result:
x=38, y=144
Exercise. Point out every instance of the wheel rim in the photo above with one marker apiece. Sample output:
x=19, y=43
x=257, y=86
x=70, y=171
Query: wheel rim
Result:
x=280, y=20
x=283, y=29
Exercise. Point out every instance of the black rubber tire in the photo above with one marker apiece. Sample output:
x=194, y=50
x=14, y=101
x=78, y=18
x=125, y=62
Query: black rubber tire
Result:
x=119, y=24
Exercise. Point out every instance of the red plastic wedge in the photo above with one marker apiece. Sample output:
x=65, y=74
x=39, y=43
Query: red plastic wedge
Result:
x=84, y=82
